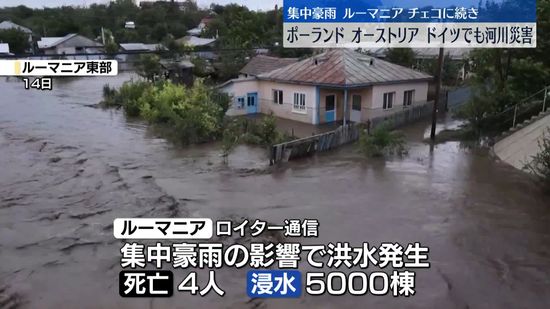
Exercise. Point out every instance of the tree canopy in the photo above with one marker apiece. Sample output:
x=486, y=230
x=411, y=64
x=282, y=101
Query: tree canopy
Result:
x=18, y=40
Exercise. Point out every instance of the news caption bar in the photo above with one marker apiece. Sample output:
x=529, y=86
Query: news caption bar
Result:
x=387, y=269
x=444, y=23
x=54, y=68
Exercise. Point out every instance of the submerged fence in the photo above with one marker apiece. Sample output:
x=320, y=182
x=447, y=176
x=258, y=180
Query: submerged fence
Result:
x=405, y=116
x=458, y=97
x=318, y=143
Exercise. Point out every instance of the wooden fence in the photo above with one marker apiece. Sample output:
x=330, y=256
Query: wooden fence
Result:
x=318, y=143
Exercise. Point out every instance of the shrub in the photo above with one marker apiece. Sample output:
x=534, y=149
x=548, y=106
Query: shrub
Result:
x=231, y=137
x=195, y=114
x=382, y=142
x=540, y=165
x=126, y=96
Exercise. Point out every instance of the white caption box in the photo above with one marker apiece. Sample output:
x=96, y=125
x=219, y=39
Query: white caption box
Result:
x=58, y=67
x=163, y=228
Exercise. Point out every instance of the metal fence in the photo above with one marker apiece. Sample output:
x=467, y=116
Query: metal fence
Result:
x=403, y=117
x=318, y=143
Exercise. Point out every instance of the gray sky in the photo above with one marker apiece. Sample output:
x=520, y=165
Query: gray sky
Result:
x=252, y=4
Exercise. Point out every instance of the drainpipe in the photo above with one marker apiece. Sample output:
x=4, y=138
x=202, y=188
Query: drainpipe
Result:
x=345, y=104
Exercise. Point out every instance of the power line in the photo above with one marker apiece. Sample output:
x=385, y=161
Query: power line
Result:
x=159, y=52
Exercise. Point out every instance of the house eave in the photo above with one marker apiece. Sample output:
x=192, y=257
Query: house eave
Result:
x=348, y=86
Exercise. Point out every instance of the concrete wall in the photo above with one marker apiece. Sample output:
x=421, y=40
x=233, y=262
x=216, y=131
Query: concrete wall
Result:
x=518, y=148
x=376, y=108
x=240, y=87
x=286, y=109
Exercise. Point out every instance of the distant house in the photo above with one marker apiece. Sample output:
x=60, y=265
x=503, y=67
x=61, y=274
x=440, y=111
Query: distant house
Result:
x=182, y=5
x=4, y=49
x=335, y=85
x=178, y=71
x=202, y=26
x=459, y=56
x=140, y=47
x=8, y=25
x=69, y=44
x=132, y=51
x=263, y=64
x=202, y=44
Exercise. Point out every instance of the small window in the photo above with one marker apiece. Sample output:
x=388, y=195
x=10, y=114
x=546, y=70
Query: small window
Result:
x=299, y=103
x=388, y=100
x=408, y=98
x=278, y=97
x=240, y=102
x=356, y=102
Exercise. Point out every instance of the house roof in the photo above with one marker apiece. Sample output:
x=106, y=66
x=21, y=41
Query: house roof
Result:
x=8, y=24
x=264, y=64
x=195, y=41
x=453, y=53
x=427, y=53
x=141, y=47
x=49, y=42
x=344, y=68
x=195, y=31
x=182, y=64
x=4, y=48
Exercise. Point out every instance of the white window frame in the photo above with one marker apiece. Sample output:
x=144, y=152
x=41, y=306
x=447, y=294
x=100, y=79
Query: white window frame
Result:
x=238, y=104
x=405, y=102
x=385, y=103
x=278, y=96
x=299, y=103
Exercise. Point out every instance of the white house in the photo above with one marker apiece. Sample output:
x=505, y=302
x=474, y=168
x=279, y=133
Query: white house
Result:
x=203, y=44
x=4, y=49
x=335, y=85
x=70, y=44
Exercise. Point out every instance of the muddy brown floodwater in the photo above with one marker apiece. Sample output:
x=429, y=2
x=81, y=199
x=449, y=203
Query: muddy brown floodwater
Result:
x=68, y=169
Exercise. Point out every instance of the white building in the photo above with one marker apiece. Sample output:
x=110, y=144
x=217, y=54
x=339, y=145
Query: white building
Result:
x=4, y=49
x=69, y=44
x=335, y=85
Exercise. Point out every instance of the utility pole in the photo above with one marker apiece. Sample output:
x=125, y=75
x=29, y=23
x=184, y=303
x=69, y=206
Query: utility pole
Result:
x=546, y=91
x=437, y=92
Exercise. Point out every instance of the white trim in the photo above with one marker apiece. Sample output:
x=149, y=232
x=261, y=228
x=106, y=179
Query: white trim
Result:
x=394, y=95
x=299, y=111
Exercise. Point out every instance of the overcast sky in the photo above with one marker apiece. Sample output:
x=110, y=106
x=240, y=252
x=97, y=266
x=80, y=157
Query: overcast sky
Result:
x=253, y=4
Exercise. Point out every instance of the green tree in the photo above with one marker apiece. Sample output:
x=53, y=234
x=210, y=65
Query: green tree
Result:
x=402, y=56
x=18, y=40
x=149, y=66
x=382, y=142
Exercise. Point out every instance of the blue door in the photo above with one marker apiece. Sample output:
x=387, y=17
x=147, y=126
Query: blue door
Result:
x=252, y=103
x=330, y=108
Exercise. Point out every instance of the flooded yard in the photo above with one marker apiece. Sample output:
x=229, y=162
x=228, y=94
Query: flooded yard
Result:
x=69, y=169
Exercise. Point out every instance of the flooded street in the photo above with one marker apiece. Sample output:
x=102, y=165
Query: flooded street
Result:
x=69, y=169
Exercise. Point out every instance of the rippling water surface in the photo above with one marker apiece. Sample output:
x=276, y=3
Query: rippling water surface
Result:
x=68, y=169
